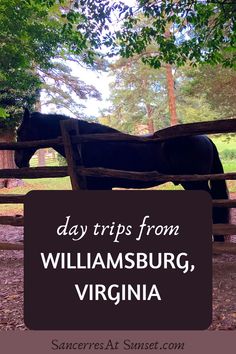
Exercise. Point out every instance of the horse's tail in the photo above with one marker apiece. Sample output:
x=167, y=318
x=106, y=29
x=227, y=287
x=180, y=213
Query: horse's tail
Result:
x=219, y=190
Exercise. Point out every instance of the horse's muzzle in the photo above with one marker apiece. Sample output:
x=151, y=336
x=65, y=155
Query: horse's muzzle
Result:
x=22, y=165
x=23, y=156
x=20, y=162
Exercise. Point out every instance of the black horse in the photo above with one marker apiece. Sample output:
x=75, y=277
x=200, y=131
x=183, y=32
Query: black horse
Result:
x=185, y=155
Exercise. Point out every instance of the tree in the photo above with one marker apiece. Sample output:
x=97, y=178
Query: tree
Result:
x=195, y=109
x=200, y=30
x=171, y=94
x=216, y=84
x=33, y=34
x=16, y=91
x=62, y=90
x=27, y=37
x=131, y=104
x=182, y=31
x=138, y=97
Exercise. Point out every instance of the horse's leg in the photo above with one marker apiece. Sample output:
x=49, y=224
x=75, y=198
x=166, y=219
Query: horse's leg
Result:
x=98, y=184
x=219, y=190
x=203, y=185
x=95, y=187
x=98, y=188
x=216, y=212
x=220, y=215
x=196, y=185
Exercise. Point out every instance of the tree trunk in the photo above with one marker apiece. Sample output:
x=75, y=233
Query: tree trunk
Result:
x=53, y=152
x=171, y=95
x=149, y=109
x=7, y=161
x=41, y=157
x=171, y=83
x=40, y=152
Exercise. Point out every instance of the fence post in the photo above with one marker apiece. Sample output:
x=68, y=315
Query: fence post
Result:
x=74, y=159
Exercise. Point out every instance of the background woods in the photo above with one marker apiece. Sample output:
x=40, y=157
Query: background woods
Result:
x=167, y=62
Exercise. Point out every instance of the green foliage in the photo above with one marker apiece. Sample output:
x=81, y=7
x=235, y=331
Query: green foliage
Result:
x=139, y=92
x=194, y=108
x=137, y=87
x=187, y=30
x=32, y=34
x=36, y=31
x=61, y=160
x=216, y=84
x=27, y=34
x=138, y=96
x=183, y=30
x=16, y=92
x=63, y=90
x=29, y=37
x=3, y=113
x=228, y=154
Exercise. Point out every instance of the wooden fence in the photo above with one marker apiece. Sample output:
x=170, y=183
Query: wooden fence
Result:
x=72, y=140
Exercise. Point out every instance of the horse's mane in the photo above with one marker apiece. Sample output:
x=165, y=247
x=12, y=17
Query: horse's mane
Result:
x=84, y=126
x=51, y=116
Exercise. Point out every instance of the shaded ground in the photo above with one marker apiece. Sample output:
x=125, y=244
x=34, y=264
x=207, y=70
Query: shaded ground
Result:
x=224, y=292
x=11, y=285
x=11, y=281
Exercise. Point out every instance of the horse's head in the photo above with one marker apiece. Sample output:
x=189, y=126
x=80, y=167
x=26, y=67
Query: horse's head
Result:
x=25, y=133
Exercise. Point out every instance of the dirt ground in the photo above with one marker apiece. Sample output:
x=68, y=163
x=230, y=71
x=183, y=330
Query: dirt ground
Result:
x=11, y=285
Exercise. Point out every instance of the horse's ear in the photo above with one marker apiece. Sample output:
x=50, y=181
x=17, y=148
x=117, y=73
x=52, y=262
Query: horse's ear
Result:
x=26, y=115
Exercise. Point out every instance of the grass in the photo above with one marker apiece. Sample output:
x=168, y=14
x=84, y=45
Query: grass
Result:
x=33, y=184
x=229, y=165
x=64, y=183
x=224, y=142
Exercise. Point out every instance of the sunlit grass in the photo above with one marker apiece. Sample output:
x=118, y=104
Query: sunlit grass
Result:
x=223, y=143
x=229, y=166
x=33, y=184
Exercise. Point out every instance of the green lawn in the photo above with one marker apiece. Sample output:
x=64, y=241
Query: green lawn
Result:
x=225, y=142
x=47, y=184
x=229, y=165
x=33, y=184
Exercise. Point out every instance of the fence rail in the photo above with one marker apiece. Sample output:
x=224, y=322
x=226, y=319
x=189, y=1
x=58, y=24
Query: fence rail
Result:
x=153, y=176
x=35, y=172
x=17, y=220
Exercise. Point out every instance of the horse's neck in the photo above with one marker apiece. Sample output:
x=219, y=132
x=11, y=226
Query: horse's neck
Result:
x=52, y=129
x=49, y=129
x=94, y=128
